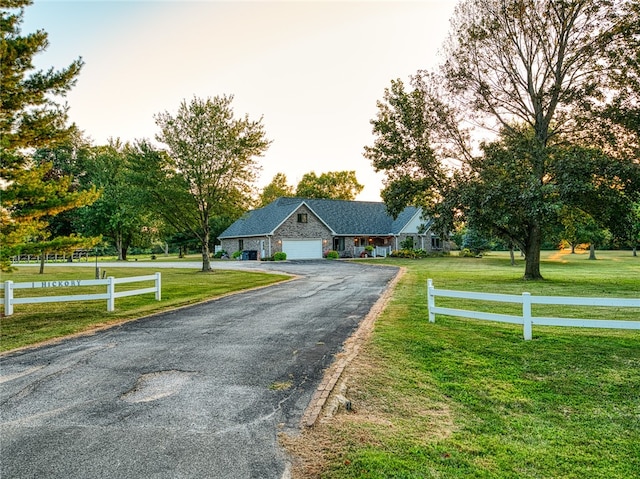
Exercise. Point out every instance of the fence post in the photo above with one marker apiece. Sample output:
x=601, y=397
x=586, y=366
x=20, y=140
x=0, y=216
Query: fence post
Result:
x=526, y=316
x=158, y=286
x=8, y=298
x=431, y=303
x=111, y=293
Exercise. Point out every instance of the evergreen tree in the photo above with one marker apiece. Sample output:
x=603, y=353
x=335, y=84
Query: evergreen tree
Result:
x=31, y=116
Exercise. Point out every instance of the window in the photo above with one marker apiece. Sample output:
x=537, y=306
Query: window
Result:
x=240, y=245
x=302, y=217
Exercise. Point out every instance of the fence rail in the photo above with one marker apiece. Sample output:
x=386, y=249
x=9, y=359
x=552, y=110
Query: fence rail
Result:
x=110, y=295
x=527, y=320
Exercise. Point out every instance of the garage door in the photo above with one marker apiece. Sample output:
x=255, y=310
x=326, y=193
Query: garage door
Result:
x=302, y=249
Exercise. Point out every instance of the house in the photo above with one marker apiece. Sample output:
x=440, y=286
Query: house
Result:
x=307, y=228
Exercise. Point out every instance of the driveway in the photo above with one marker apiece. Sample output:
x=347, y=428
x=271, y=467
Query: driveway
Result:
x=200, y=392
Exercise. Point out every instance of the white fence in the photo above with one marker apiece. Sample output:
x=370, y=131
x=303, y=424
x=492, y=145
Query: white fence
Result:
x=527, y=320
x=110, y=295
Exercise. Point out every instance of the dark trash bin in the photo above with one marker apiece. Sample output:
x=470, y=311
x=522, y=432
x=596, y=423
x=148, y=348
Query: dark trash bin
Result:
x=250, y=254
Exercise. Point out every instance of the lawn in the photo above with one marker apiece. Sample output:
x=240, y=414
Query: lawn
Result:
x=34, y=323
x=462, y=398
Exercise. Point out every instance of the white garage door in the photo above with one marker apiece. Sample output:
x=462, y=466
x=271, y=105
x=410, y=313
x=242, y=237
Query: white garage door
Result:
x=302, y=249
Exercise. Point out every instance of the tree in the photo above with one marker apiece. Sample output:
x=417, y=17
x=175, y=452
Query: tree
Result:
x=30, y=113
x=336, y=185
x=475, y=242
x=276, y=189
x=405, y=134
x=120, y=213
x=207, y=169
x=70, y=157
x=535, y=71
x=499, y=197
x=621, y=125
x=633, y=236
x=31, y=116
x=575, y=224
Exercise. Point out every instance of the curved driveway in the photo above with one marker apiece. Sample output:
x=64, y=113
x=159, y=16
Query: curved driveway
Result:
x=199, y=392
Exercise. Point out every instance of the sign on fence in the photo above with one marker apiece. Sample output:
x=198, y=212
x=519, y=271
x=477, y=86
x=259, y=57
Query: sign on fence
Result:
x=110, y=295
x=527, y=319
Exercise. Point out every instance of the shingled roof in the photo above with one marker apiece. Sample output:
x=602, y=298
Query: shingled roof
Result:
x=343, y=218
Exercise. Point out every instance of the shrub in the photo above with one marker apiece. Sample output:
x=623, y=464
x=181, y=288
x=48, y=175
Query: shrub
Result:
x=466, y=253
x=331, y=254
x=236, y=254
x=280, y=256
x=407, y=244
x=220, y=254
x=409, y=253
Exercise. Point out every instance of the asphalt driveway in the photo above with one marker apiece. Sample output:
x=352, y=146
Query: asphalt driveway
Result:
x=199, y=392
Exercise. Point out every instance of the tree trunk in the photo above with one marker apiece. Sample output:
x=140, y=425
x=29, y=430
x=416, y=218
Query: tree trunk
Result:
x=512, y=255
x=532, y=254
x=166, y=248
x=573, y=248
x=42, y=262
x=592, y=251
x=121, y=257
x=206, y=258
x=126, y=242
x=635, y=251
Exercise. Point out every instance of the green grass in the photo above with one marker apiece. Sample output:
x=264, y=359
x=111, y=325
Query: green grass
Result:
x=34, y=323
x=462, y=398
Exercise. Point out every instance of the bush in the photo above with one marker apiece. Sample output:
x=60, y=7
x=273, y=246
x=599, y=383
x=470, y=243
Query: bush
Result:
x=466, y=253
x=409, y=253
x=220, y=254
x=280, y=256
x=236, y=254
x=407, y=244
x=331, y=254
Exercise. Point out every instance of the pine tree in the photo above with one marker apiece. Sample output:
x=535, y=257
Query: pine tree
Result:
x=32, y=116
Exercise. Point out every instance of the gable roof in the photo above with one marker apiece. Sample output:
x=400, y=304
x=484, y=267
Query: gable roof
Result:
x=343, y=218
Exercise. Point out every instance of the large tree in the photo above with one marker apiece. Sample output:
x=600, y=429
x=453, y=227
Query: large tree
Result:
x=208, y=169
x=535, y=71
x=337, y=185
x=32, y=116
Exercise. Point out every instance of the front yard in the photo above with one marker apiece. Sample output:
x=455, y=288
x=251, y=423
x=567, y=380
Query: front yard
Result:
x=467, y=399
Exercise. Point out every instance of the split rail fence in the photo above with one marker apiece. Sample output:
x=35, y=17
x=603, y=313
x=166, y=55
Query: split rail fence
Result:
x=110, y=295
x=527, y=320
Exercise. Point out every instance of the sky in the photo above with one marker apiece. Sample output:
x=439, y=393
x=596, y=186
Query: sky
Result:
x=313, y=71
